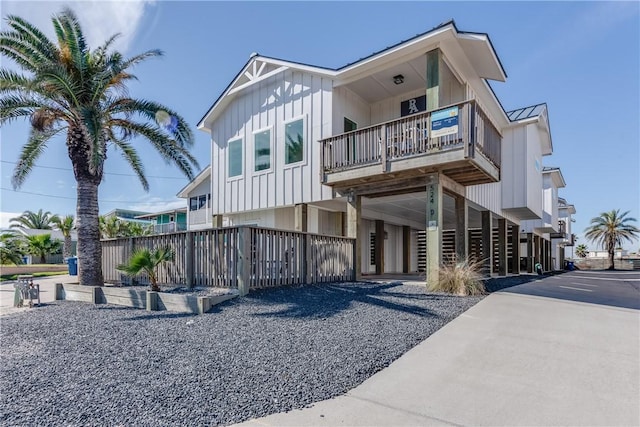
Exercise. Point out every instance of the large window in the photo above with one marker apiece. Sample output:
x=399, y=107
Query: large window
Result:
x=294, y=141
x=235, y=158
x=262, y=148
x=199, y=202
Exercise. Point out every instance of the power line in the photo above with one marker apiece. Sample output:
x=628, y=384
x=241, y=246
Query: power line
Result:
x=73, y=198
x=105, y=173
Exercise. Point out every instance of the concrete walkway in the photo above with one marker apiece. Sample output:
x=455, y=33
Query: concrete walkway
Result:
x=47, y=292
x=536, y=354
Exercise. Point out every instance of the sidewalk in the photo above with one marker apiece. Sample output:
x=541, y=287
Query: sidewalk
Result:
x=513, y=359
x=47, y=292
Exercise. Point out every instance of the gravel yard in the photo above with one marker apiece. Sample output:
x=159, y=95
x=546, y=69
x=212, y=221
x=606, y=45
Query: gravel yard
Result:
x=274, y=350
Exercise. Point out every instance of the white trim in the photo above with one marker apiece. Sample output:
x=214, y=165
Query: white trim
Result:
x=228, y=153
x=305, y=146
x=256, y=80
x=271, y=147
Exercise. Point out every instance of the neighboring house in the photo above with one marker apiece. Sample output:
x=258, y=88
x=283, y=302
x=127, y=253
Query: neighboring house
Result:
x=408, y=151
x=539, y=236
x=168, y=221
x=564, y=237
x=55, y=234
x=128, y=215
x=198, y=195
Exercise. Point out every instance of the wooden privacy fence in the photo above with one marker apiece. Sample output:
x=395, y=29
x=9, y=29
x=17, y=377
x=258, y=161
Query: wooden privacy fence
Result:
x=239, y=257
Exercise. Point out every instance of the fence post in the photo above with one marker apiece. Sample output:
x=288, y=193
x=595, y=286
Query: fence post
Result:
x=308, y=260
x=244, y=259
x=127, y=257
x=188, y=259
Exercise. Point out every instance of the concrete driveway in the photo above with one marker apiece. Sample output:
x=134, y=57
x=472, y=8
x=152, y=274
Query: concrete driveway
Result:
x=562, y=350
x=47, y=292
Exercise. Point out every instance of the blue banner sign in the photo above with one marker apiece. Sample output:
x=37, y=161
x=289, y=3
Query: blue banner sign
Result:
x=444, y=122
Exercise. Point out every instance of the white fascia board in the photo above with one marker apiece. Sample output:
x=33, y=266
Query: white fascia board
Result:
x=233, y=88
x=400, y=53
x=556, y=177
x=485, y=40
x=254, y=81
x=202, y=176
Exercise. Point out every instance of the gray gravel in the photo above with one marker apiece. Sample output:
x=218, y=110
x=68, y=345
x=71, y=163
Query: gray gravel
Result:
x=72, y=363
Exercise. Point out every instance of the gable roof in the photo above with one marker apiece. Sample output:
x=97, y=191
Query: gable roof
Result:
x=532, y=114
x=477, y=46
x=197, y=180
x=526, y=112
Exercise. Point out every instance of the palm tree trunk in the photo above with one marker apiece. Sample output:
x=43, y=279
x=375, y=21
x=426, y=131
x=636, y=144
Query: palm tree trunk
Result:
x=66, y=249
x=88, y=227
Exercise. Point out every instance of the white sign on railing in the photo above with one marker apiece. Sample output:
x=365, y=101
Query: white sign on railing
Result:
x=444, y=122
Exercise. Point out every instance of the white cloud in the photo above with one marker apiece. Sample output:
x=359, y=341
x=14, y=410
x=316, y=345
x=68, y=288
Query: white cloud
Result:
x=100, y=19
x=5, y=218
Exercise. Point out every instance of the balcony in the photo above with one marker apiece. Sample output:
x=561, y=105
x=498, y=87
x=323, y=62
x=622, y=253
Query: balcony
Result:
x=411, y=147
x=169, y=227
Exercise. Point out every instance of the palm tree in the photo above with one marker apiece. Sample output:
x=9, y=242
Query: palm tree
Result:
x=110, y=227
x=581, y=251
x=34, y=220
x=11, y=249
x=147, y=261
x=42, y=245
x=610, y=230
x=68, y=88
x=65, y=225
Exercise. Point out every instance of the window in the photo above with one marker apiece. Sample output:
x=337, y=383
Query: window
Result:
x=235, y=158
x=262, y=148
x=199, y=202
x=294, y=142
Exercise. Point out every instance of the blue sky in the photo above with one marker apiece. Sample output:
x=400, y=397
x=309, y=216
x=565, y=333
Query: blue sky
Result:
x=581, y=58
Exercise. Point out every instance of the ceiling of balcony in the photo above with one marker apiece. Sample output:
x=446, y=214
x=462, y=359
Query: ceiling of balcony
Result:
x=379, y=86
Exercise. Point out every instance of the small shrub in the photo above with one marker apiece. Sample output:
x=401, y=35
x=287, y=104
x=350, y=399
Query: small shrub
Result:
x=460, y=277
x=147, y=261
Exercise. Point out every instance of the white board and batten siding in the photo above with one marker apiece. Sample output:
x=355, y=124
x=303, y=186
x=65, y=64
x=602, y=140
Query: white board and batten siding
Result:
x=347, y=103
x=269, y=105
x=521, y=171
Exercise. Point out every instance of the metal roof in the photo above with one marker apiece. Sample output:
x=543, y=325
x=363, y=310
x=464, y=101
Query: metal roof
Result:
x=526, y=112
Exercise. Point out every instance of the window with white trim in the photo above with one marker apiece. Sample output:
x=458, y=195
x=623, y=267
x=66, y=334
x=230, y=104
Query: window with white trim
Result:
x=235, y=158
x=294, y=142
x=262, y=150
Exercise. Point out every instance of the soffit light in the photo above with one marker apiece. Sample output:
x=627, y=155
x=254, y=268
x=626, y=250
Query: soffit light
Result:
x=399, y=79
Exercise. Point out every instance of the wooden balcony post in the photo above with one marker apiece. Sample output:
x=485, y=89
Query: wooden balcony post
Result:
x=379, y=249
x=384, y=148
x=462, y=225
x=515, y=249
x=406, y=248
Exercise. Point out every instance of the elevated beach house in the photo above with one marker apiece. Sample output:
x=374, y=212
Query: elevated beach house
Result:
x=408, y=151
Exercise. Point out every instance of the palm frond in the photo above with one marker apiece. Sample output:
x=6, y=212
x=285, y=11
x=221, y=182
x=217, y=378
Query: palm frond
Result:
x=37, y=38
x=131, y=156
x=30, y=152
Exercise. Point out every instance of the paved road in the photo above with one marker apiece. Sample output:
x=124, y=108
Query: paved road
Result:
x=562, y=350
x=47, y=292
x=612, y=288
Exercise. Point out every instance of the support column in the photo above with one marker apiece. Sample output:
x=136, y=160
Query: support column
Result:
x=536, y=250
x=434, y=228
x=406, y=248
x=529, y=252
x=515, y=249
x=487, y=243
x=502, y=247
x=462, y=227
x=433, y=79
x=301, y=217
x=354, y=219
x=216, y=221
x=379, y=249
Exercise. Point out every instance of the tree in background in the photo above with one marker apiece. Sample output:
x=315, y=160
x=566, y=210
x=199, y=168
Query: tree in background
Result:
x=582, y=251
x=11, y=248
x=113, y=227
x=610, y=230
x=42, y=245
x=79, y=92
x=34, y=220
x=65, y=225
